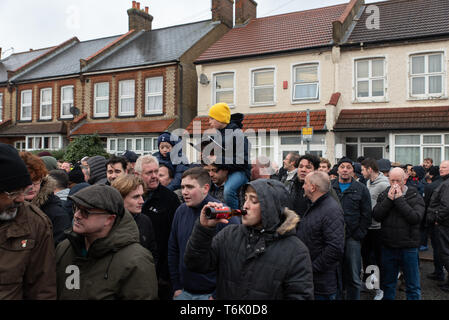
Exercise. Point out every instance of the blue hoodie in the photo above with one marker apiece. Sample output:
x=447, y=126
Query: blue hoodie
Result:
x=181, y=277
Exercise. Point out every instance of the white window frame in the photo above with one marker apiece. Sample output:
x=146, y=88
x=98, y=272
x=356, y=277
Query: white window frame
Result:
x=133, y=141
x=443, y=145
x=23, y=105
x=1, y=107
x=154, y=94
x=35, y=138
x=121, y=96
x=427, y=95
x=67, y=116
x=48, y=104
x=370, y=98
x=273, y=86
x=103, y=98
x=214, y=96
x=293, y=90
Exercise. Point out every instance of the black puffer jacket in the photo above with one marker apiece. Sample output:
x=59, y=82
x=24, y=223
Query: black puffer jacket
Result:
x=400, y=218
x=251, y=264
x=356, y=204
x=438, y=210
x=322, y=229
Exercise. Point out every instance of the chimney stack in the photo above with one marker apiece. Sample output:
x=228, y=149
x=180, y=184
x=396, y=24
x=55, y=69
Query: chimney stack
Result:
x=245, y=10
x=223, y=10
x=139, y=19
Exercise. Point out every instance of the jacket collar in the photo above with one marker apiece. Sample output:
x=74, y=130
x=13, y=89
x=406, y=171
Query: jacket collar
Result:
x=16, y=228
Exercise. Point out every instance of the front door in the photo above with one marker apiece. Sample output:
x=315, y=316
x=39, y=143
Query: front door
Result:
x=374, y=152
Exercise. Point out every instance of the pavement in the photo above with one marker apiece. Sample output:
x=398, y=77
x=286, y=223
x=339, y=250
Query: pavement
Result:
x=429, y=288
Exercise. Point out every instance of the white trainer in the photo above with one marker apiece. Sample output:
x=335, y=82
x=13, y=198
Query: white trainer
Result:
x=379, y=294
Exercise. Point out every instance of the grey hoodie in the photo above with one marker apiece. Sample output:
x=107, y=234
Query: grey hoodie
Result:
x=375, y=188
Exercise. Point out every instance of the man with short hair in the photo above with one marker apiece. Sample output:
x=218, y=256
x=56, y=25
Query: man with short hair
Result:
x=290, y=161
x=261, y=259
x=160, y=206
x=188, y=285
x=115, y=167
x=400, y=209
x=356, y=203
x=322, y=229
x=372, y=245
x=27, y=254
x=62, y=183
x=325, y=165
x=131, y=158
x=438, y=215
x=384, y=166
x=427, y=164
x=103, y=245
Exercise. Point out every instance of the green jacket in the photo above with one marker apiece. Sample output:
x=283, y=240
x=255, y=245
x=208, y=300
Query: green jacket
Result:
x=115, y=267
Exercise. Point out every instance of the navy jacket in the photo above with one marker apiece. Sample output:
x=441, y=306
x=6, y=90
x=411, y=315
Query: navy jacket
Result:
x=322, y=229
x=182, y=227
x=356, y=204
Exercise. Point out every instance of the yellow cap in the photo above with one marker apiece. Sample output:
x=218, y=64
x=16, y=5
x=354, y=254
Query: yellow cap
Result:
x=220, y=112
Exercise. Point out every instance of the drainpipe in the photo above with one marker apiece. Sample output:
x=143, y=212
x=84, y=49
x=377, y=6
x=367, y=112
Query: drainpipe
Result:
x=181, y=92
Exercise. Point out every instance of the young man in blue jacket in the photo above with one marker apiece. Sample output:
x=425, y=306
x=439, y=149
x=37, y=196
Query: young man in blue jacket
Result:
x=188, y=285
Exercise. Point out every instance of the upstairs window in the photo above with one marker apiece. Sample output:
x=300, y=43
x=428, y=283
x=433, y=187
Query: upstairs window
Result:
x=66, y=101
x=126, y=98
x=370, y=79
x=101, y=98
x=306, y=85
x=25, y=105
x=45, y=110
x=153, y=95
x=262, y=87
x=427, y=75
x=224, y=88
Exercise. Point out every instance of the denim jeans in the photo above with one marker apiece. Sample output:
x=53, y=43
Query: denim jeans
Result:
x=352, y=266
x=231, y=187
x=329, y=297
x=407, y=260
x=190, y=296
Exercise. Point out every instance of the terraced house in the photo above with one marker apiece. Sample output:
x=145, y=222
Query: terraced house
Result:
x=373, y=76
x=127, y=88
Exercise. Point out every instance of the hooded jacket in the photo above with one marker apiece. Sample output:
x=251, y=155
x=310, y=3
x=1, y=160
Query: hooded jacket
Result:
x=27, y=256
x=116, y=267
x=419, y=181
x=322, y=229
x=97, y=170
x=438, y=210
x=400, y=218
x=256, y=264
x=375, y=188
x=53, y=207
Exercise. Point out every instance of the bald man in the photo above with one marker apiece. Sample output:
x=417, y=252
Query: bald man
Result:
x=400, y=209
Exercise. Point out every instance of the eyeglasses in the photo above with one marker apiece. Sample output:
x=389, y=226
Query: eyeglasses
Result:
x=14, y=195
x=85, y=213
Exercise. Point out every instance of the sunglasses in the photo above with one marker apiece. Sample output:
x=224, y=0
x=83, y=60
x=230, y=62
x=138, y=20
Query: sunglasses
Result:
x=85, y=213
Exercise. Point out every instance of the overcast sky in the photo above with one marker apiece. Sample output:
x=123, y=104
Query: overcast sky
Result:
x=36, y=24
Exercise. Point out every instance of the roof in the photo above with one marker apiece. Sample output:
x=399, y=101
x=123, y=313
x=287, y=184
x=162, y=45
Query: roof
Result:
x=17, y=60
x=393, y=119
x=27, y=129
x=138, y=49
x=285, y=32
x=402, y=19
x=124, y=127
x=283, y=122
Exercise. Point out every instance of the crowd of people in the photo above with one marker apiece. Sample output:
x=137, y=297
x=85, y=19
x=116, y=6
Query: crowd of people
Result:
x=135, y=227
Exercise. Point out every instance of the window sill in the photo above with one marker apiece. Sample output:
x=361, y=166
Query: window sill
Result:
x=305, y=101
x=153, y=114
x=270, y=104
x=126, y=116
x=44, y=120
x=427, y=98
x=24, y=121
x=370, y=101
x=100, y=117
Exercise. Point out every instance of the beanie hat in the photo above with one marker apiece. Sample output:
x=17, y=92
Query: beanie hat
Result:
x=50, y=162
x=434, y=171
x=384, y=165
x=165, y=137
x=220, y=112
x=130, y=156
x=100, y=196
x=13, y=172
x=97, y=166
x=345, y=159
x=76, y=175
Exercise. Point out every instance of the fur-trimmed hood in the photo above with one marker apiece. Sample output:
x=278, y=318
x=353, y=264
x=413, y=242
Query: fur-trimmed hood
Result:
x=290, y=222
x=48, y=186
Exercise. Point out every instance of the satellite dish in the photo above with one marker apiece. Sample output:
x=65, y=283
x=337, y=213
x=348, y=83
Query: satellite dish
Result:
x=203, y=79
x=75, y=111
